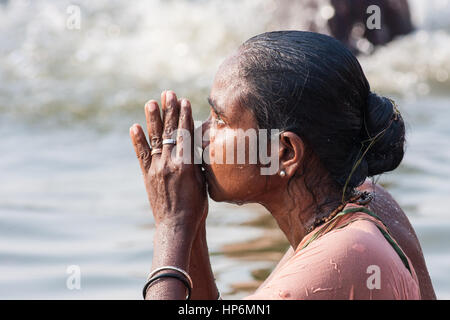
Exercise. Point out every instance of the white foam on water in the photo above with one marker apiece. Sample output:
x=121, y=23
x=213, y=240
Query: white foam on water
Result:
x=121, y=54
x=411, y=66
x=124, y=54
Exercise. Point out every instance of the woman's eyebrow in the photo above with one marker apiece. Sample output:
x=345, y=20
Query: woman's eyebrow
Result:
x=211, y=103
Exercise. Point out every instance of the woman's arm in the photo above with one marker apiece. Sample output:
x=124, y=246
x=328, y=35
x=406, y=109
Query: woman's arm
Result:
x=200, y=269
x=171, y=247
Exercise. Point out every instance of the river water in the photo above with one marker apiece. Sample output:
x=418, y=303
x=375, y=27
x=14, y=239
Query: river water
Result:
x=70, y=186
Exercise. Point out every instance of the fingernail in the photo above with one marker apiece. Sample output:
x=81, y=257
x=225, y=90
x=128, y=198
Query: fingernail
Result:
x=135, y=129
x=169, y=95
x=184, y=103
x=151, y=105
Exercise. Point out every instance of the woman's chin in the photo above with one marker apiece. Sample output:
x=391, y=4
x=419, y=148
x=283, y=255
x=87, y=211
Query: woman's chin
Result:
x=211, y=189
x=216, y=191
x=221, y=196
x=213, y=194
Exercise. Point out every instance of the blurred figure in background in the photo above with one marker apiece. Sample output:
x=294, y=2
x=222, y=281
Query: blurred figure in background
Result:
x=346, y=20
x=349, y=21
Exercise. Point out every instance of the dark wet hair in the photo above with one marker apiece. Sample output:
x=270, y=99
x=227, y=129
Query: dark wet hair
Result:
x=311, y=84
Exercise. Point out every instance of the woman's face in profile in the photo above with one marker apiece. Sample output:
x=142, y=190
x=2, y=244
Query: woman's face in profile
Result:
x=228, y=178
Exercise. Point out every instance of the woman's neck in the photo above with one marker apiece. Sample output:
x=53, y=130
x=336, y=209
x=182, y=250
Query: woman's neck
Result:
x=295, y=208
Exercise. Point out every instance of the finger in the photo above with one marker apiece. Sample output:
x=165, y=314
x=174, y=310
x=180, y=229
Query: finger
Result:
x=141, y=147
x=163, y=104
x=170, y=121
x=154, y=125
x=185, y=132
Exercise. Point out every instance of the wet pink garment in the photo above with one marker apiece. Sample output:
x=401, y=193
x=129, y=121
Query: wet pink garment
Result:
x=352, y=261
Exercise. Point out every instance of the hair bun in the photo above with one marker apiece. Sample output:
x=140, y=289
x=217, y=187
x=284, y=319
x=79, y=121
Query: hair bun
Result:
x=382, y=118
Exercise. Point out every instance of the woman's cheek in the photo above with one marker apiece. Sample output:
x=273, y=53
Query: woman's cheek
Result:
x=236, y=167
x=219, y=144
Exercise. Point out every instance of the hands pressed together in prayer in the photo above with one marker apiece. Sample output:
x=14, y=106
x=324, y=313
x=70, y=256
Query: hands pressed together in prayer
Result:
x=176, y=190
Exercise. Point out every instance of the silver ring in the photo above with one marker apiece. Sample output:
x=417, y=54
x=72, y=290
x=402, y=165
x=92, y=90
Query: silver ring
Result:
x=169, y=141
x=155, y=151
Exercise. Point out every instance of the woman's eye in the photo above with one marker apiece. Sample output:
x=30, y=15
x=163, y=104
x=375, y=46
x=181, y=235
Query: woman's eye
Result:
x=219, y=120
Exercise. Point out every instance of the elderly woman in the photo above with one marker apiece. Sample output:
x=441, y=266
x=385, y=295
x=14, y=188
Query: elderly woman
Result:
x=349, y=238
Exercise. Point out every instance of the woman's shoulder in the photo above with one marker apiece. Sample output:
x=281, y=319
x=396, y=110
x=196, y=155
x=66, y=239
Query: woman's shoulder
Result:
x=398, y=224
x=390, y=212
x=357, y=243
x=353, y=262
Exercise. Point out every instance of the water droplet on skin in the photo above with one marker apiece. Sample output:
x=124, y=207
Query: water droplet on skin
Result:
x=358, y=247
x=352, y=293
x=335, y=266
x=321, y=289
x=284, y=294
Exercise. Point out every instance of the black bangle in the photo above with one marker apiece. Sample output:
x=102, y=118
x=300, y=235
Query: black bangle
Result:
x=168, y=275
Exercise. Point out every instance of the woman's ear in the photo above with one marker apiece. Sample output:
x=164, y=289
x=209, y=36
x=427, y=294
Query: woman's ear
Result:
x=291, y=152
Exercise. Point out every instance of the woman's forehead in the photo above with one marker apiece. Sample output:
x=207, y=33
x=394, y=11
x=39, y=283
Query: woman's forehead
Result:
x=226, y=93
x=225, y=101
